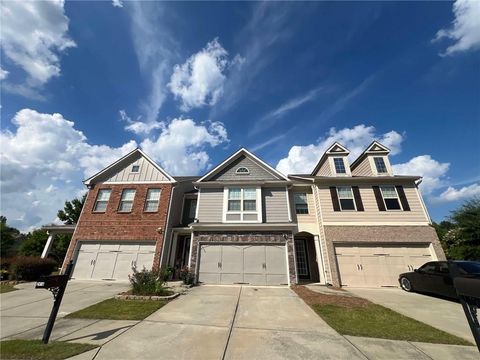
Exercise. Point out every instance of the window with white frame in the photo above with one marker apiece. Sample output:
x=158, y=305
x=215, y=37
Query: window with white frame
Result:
x=102, y=200
x=152, y=201
x=301, y=204
x=345, y=197
x=380, y=165
x=339, y=166
x=126, y=201
x=135, y=168
x=390, y=198
x=242, y=205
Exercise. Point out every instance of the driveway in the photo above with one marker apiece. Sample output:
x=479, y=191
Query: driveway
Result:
x=442, y=314
x=216, y=322
x=26, y=311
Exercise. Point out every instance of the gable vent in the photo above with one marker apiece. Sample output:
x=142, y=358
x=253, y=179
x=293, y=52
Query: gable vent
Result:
x=242, y=171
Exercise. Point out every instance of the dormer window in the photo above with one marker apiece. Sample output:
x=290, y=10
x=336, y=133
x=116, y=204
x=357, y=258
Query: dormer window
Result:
x=339, y=166
x=135, y=168
x=242, y=171
x=380, y=165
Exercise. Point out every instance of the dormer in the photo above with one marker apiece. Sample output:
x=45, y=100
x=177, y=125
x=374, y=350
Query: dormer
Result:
x=373, y=161
x=334, y=162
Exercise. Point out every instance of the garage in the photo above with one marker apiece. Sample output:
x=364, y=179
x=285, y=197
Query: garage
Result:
x=111, y=261
x=378, y=265
x=243, y=264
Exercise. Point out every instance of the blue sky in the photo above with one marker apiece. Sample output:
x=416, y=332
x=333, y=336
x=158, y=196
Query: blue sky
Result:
x=85, y=82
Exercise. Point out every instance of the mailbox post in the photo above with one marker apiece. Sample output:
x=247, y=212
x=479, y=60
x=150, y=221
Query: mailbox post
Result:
x=57, y=285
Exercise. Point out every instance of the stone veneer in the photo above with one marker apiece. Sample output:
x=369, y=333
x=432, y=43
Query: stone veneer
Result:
x=244, y=237
x=377, y=234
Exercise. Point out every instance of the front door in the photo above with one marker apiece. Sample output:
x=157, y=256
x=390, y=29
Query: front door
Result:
x=181, y=253
x=303, y=268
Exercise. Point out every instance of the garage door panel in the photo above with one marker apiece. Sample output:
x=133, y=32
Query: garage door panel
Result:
x=231, y=278
x=209, y=278
x=254, y=259
x=255, y=279
x=275, y=260
x=84, y=265
x=104, y=265
x=130, y=248
x=144, y=260
x=232, y=259
x=280, y=279
x=123, y=265
x=109, y=247
x=210, y=257
x=350, y=273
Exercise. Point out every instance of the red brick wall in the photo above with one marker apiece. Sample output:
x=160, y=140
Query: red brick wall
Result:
x=114, y=226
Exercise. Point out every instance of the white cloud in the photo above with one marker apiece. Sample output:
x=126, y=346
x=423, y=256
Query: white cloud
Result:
x=302, y=159
x=180, y=147
x=465, y=29
x=3, y=74
x=117, y=3
x=199, y=81
x=33, y=36
x=464, y=193
x=137, y=126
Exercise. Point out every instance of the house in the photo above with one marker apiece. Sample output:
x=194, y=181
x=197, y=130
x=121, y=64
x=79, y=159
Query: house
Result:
x=365, y=224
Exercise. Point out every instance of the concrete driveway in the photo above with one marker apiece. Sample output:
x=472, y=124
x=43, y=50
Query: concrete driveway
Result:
x=25, y=311
x=214, y=322
x=442, y=314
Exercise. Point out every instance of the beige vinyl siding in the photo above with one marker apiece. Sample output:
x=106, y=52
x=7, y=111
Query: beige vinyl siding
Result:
x=363, y=169
x=371, y=213
x=325, y=169
x=256, y=171
x=210, y=205
x=147, y=172
x=305, y=218
x=274, y=207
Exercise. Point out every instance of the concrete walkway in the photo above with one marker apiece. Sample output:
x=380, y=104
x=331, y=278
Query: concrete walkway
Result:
x=443, y=314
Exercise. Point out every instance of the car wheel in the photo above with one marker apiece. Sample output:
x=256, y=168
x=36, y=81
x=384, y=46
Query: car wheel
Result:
x=405, y=284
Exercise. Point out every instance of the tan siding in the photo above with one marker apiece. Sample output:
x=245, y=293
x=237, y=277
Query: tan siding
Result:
x=257, y=172
x=147, y=172
x=305, y=218
x=275, y=208
x=210, y=205
x=371, y=213
x=363, y=169
x=325, y=169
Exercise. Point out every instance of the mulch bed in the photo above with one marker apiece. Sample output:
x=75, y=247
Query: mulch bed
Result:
x=315, y=298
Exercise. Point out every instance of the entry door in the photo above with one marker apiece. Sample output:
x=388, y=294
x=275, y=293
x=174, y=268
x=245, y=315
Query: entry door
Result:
x=303, y=267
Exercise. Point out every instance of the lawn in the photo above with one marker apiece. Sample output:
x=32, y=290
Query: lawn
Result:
x=36, y=350
x=115, y=309
x=4, y=288
x=350, y=315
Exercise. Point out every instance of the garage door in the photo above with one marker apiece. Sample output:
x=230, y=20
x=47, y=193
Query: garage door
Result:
x=103, y=261
x=375, y=266
x=243, y=264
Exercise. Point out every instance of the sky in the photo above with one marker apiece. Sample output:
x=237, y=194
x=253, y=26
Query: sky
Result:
x=83, y=83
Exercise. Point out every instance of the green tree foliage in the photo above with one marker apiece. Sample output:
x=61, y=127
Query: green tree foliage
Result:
x=71, y=211
x=8, y=237
x=35, y=242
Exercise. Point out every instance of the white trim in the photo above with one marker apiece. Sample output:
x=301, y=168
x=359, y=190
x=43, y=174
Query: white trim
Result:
x=353, y=199
x=329, y=150
x=242, y=212
x=198, y=204
x=322, y=236
x=190, y=255
x=288, y=262
x=346, y=165
x=242, y=150
x=424, y=207
x=242, y=172
x=398, y=198
x=288, y=204
x=135, y=182
x=378, y=223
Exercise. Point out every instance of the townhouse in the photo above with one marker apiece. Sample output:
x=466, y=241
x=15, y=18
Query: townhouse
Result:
x=245, y=223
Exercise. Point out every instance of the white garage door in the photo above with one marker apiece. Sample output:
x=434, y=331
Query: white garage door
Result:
x=103, y=261
x=243, y=264
x=375, y=266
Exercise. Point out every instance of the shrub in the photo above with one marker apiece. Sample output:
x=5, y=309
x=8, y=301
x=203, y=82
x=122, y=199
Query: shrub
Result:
x=30, y=268
x=166, y=274
x=187, y=275
x=147, y=283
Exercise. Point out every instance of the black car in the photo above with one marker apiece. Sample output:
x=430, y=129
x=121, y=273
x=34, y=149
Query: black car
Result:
x=435, y=277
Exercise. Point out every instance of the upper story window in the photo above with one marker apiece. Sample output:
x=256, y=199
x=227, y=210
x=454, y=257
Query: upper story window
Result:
x=152, y=201
x=301, y=204
x=102, y=200
x=345, y=198
x=189, y=211
x=380, y=165
x=242, y=171
x=390, y=198
x=135, y=168
x=126, y=201
x=339, y=166
x=243, y=205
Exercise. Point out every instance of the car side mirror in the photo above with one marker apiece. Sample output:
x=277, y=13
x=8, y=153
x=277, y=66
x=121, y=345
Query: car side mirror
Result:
x=417, y=270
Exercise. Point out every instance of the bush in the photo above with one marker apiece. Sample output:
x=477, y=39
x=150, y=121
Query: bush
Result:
x=187, y=275
x=166, y=274
x=30, y=268
x=147, y=283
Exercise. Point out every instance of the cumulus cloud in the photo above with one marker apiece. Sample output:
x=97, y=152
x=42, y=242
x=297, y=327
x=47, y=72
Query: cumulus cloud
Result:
x=465, y=28
x=3, y=74
x=199, y=81
x=117, y=3
x=33, y=36
x=137, y=126
x=464, y=193
x=302, y=159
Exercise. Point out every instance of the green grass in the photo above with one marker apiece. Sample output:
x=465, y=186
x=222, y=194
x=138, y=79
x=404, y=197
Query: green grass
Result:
x=36, y=350
x=379, y=322
x=115, y=309
x=4, y=288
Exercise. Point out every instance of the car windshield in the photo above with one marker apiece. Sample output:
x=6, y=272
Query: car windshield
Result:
x=470, y=267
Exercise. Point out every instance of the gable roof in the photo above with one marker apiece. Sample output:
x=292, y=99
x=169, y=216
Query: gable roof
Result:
x=374, y=148
x=236, y=155
x=128, y=157
x=336, y=148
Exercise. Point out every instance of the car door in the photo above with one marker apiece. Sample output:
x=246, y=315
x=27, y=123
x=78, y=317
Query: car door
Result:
x=422, y=278
x=445, y=281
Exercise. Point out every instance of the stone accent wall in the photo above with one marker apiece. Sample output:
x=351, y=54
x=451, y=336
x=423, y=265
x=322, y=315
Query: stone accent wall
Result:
x=245, y=237
x=377, y=234
x=111, y=225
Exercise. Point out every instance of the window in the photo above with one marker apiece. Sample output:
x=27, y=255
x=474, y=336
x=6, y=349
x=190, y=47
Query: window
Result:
x=242, y=204
x=301, y=205
x=380, y=165
x=345, y=197
x=390, y=198
x=189, y=211
x=102, y=200
x=126, y=201
x=242, y=171
x=234, y=199
x=152, y=201
x=429, y=267
x=339, y=166
x=135, y=168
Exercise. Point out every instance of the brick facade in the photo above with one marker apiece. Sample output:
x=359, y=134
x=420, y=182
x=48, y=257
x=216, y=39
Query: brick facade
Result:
x=111, y=225
x=245, y=237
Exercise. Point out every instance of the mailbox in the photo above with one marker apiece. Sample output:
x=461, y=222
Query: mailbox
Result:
x=52, y=281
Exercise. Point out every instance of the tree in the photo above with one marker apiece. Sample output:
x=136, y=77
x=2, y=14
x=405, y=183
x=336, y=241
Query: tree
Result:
x=35, y=243
x=8, y=237
x=71, y=211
